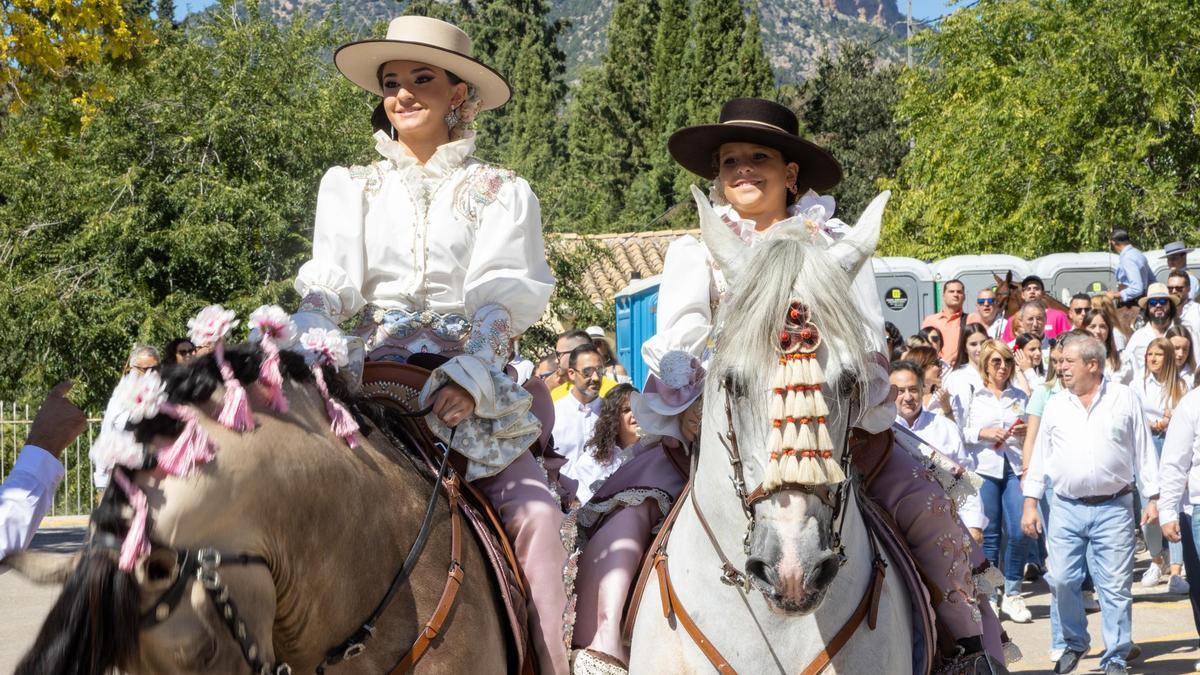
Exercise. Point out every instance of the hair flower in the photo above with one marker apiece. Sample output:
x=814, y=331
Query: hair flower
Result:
x=328, y=346
x=271, y=321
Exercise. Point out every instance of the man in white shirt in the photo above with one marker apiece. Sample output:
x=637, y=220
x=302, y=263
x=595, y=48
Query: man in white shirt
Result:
x=28, y=492
x=1176, y=254
x=576, y=413
x=1179, y=284
x=1179, y=487
x=1161, y=309
x=988, y=314
x=1093, y=441
x=938, y=433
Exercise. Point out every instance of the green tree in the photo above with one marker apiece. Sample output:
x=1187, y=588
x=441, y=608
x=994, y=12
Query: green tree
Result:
x=668, y=106
x=1038, y=125
x=607, y=143
x=848, y=107
x=725, y=59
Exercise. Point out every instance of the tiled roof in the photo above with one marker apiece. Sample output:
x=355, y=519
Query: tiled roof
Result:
x=640, y=252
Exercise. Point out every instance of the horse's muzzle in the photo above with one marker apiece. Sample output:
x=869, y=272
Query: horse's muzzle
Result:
x=790, y=588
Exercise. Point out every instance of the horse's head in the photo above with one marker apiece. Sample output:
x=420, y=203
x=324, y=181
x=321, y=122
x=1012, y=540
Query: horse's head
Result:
x=793, y=371
x=162, y=605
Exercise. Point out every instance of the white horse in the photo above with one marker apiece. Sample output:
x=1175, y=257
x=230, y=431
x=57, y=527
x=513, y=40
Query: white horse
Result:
x=799, y=589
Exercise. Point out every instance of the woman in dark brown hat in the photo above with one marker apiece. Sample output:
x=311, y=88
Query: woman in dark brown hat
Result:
x=440, y=257
x=765, y=178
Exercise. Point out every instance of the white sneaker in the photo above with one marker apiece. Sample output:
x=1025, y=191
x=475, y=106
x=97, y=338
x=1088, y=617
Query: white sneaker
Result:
x=1152, y=576
x=1014, y=607
x=1056, y=654
x=1177, y=584
x=1090, y=603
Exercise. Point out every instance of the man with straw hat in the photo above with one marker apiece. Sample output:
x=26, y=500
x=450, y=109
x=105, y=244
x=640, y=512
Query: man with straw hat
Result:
x=440, y=257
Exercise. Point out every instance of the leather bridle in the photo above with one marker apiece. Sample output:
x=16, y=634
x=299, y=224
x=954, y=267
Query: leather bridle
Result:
x=834, y=498
x=203, y=565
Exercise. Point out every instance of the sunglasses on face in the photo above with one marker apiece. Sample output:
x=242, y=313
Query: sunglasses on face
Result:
x=1177, y=289
x=1157, y=302
x=185, y=352
x=147, y=369
x=543, y=376
x=985, y=301
x=998, y=362
x=589, y=372
x=1079, y=310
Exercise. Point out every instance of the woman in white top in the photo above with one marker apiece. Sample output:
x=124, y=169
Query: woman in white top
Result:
x=962, y=382
x=440, y=257
x=994, y=432
x=611, y=443
x=1160, y=390
x=1098, y=325
x=1185, y=353
x=1030, y=372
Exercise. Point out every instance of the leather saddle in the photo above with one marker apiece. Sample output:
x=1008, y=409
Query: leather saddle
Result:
x=398, y=386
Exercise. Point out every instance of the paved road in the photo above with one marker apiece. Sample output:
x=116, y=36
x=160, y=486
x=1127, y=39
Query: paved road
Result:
x=1162, y=623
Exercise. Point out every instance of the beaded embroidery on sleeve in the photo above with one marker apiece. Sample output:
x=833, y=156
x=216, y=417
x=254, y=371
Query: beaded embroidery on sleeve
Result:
x=480, y=189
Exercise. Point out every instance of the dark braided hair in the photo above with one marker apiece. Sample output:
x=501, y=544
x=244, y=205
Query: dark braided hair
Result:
x=607, y=432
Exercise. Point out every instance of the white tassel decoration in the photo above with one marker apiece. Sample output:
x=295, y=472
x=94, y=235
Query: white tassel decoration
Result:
x=833, y=470
x=789, y=469
x=772, y=478
x=776, y=411
x=790, y=403
x=779, y=377
x=789, y=435
x=805, y=440
x=806, y=408
x=817, y=376
x=824, y=442
x=774, y=441
x=820, y=409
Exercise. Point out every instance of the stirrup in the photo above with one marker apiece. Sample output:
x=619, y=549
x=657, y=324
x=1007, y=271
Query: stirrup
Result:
x=588, y=662
x=976, y=663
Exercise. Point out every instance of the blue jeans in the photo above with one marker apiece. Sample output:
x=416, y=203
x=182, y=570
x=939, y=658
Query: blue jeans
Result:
x=1189, y=528
x=1003, y=504
x=1102, y=536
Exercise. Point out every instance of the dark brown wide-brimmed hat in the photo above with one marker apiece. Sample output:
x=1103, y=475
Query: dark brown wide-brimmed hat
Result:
x=762, y=122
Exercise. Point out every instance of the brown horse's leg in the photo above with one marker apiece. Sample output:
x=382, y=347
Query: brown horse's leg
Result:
x=532, y=519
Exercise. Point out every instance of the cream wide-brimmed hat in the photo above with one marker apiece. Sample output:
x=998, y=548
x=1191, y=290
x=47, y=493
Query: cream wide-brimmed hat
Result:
x=424, y=40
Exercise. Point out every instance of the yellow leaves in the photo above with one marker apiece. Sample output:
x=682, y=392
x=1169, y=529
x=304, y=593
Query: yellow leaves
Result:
x=48, y=39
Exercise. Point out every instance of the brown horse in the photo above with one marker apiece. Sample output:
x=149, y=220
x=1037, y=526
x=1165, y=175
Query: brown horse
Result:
x=311, y=534
x=1008, y=295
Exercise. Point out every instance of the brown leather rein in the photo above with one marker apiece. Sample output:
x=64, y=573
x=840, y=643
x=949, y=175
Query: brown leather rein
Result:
x=868, y=606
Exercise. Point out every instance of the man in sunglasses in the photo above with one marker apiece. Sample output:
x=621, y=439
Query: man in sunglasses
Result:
x=576, y=413
x=1080, y=304
x=987, y=313
x=1160, y=309
x=1176, y=254
x=1179, y=284
x=566, y=343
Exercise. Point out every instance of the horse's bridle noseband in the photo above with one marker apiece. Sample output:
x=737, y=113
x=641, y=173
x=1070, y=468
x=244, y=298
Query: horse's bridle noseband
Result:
x=835, y=499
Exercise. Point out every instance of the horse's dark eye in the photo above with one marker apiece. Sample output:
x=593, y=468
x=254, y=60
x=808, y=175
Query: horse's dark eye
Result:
x=158, y=570
x=846, y=384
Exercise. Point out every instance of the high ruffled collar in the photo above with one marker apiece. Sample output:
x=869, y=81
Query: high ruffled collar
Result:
x=812, y=213
x=447, y=158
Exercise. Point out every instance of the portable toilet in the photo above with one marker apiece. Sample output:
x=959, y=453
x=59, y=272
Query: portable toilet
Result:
x=637, y=321
x=905, y=291
x=1065, y=274
x=975, y=271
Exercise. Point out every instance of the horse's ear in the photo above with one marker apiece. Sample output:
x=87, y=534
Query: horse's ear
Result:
x=859, y=244
x=724, y=246
x=42, y=567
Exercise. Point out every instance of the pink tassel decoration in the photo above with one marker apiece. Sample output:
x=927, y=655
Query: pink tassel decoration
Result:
x=341, y=421
x=269, y=375
x=193, y=445
x=235, y=414
x=136, y=546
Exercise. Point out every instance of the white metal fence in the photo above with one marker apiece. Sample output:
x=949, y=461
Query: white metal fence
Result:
x=75, y=495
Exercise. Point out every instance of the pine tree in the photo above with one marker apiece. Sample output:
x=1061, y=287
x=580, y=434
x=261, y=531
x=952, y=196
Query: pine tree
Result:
x=668, y=104
x=722, y=66
x=607, y=141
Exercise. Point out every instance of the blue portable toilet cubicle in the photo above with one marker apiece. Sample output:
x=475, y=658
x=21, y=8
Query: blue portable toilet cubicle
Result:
x=905, y=291
x=637, y=321
x=975, y=271
x=1065, y=274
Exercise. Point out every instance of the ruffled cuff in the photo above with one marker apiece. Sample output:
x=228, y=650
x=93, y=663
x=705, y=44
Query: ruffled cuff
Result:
x=503, y=425
x=491, y=336
x=328, y=288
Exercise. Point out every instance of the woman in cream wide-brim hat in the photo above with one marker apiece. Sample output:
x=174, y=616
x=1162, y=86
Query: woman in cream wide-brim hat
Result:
x=440, y=256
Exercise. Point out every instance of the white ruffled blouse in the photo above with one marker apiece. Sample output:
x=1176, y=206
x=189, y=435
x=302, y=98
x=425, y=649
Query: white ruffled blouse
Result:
x=454, y=236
